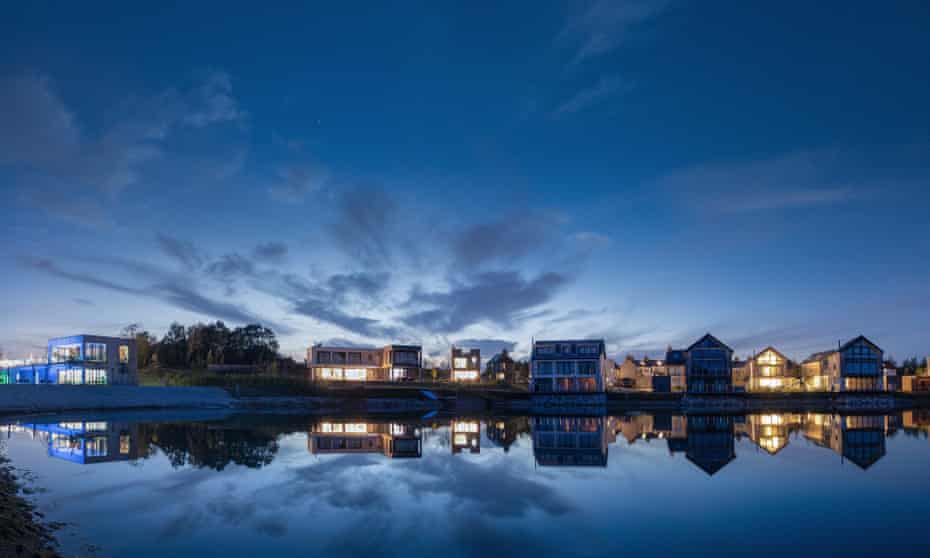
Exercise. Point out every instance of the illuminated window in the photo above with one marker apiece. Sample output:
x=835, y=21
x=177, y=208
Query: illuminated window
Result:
x=466, y=375
x=124, y=443
x=70, y=376
x=96, y=447
x=65, y=353
x=460, y=362
x=355, y=374
x=95, y=352
x=124, y=354
x=96, y=376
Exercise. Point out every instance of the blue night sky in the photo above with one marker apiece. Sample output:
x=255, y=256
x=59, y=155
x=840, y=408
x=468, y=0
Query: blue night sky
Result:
x=643, y=171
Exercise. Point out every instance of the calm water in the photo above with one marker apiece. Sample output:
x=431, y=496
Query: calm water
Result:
x=654, y=485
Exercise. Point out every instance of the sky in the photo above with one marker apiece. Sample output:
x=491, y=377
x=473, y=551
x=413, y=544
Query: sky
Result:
x=641, y=171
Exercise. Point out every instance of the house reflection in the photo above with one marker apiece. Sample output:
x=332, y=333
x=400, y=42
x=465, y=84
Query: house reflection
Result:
x=770, y=431
x=858, y=438
x=86, y=442
x=710, y=443
x=466, y=436
x=571, y=441
x=916, y=421
x=504, y=432
x=391, y=439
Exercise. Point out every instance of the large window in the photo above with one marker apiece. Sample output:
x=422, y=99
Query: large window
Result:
x=355, y=358
x=587, y=368
x=124, y=354
x=70, y=376
x=96, y=447
x=588, y=349
x=95, y=352
x=405, y=357
x=542, y=368
x=356, y=374
x=96, y=376
x=65, y=353
x=565, y=368
x=323, y=357
x=460, y=362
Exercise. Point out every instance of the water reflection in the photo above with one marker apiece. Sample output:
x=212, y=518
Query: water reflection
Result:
x=707, y=441
x=393, y=439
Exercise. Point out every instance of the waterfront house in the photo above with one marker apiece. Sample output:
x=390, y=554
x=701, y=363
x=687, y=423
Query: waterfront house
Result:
x=740, y=373
x=359, y=364
x=853, y=366
x=82, y=359
x=573, y=366
x=465, y=364
x=708, y=368
x=504, y=432
x=891, y=378
x=500, y=368
x=770, y=431
x=344, y=437
x=638, y=374
x=676, y=366
x=770, y=370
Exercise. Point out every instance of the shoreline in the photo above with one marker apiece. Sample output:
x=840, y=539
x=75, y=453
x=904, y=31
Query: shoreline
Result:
x=22, y=530
x=26, y=400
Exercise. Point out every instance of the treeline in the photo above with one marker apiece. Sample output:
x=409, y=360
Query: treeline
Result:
x=201, y=345
x=913, y=366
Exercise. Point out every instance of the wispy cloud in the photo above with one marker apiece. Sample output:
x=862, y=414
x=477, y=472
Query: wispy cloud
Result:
x=792, y=181
x=183, y=251
x=606, y=87
x=606, y=24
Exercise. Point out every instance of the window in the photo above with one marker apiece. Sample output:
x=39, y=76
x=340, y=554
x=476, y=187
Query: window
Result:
x=356, y=374
x=95, y=447
x=587, y=368
x=355, y=358
x=566, y=384
x=566, y=368
x=323, y=357
x=95, y=352
x=542, y=368
x=587, y=349
x=65, y=353
x=405, y=357
x=544, y=349
x=70, y=376
x=96, y=376
x=124, y=354
x=124, y=443
x=460, y=362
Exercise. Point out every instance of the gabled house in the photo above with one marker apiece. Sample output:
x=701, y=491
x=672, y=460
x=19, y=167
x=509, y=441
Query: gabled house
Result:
x=770, y=371
x=709, y=366
x=573, y=366
x=853, y=366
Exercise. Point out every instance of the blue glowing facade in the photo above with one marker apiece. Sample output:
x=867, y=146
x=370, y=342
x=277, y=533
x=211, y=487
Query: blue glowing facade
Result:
x=82, y=359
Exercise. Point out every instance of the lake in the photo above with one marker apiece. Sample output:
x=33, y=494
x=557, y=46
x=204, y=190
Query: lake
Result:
x=775, y=484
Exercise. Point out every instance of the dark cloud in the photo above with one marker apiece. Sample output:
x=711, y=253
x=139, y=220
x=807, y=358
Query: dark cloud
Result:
x=504, y=240
x=365, y=226
x=183, y=251
x=366, y=284
x=174, y=291
x=493, y=297
x=325, y=311
x=229, y=266
x=272, y=252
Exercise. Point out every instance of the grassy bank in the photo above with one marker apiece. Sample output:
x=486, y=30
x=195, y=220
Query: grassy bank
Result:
x=21, y=530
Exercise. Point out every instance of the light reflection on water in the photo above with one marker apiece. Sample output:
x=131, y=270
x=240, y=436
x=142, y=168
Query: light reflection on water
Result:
x=654, y=484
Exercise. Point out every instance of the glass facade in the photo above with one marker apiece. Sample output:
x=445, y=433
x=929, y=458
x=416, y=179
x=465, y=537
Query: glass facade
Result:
x=95, y=352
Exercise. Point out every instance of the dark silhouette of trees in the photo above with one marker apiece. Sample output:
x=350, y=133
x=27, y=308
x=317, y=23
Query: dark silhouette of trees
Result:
x=201, y=345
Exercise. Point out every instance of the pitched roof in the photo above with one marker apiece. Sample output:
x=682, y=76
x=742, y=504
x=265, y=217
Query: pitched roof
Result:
x=860, y=338
x=712, y=338
x=774, y=350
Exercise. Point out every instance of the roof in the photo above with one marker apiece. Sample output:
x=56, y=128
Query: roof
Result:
x=823, y=354
x=774, y=350
x=860, y=338
x=712, y=338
